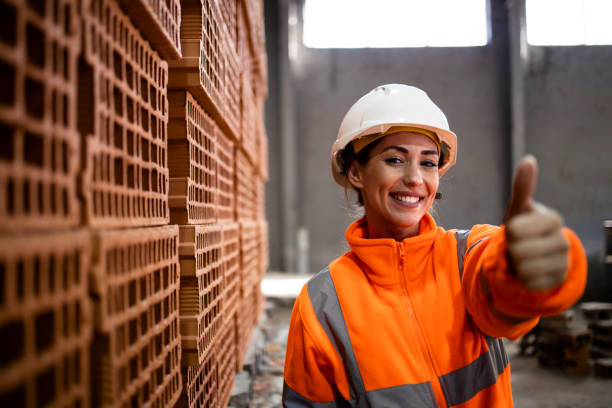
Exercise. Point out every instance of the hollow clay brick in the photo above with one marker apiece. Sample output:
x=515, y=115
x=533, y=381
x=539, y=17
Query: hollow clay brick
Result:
x=228, y=11
x=248, y=130
x=231, y=268
x=192, y=160
x=123, y=117
x=244, y=325
x=201, y=70
x=39, y=157
x=137, y=347
x=264, y=248
x=249, y=251
x=253, y=13
x=226, y=203
x=227, y=353
x=200, y=383
x=45, y=319
x=244, y=184
x=159, y=22
x=201, y=289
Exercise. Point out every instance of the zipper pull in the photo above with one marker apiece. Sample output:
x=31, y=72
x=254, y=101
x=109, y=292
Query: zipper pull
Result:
x=401, y=257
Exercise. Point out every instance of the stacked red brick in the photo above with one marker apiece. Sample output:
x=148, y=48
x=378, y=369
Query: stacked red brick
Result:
x=45, y=310
x=98, y=157
x=217, y=192
x=89, y=273
x=123, y=121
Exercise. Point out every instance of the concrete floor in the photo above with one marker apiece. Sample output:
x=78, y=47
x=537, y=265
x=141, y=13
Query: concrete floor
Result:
x=532, y=385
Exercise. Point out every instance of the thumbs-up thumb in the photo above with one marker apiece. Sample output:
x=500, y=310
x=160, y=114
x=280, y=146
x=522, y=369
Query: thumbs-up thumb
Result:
x=523, y=187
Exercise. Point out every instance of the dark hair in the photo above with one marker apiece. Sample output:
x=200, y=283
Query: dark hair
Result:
x=346, y=158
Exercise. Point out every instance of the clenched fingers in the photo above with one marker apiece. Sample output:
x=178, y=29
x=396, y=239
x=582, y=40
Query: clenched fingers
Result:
x=542, y=221
x=542, y=272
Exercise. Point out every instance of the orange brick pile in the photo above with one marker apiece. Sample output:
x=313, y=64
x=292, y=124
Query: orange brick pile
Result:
x=133, y=237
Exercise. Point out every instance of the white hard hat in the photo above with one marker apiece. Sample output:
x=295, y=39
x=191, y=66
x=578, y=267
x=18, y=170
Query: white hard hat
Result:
x=399, y=107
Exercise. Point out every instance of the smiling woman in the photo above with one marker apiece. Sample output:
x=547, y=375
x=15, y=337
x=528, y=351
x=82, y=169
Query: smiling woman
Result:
x=413, y=314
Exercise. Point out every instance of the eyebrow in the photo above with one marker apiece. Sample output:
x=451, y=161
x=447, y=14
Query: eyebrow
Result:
x=404, y=150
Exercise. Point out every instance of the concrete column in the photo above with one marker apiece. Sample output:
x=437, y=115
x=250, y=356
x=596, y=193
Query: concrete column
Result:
x=518, y=66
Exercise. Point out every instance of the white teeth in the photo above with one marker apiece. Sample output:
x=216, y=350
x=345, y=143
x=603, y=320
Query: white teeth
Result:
x=406, y=199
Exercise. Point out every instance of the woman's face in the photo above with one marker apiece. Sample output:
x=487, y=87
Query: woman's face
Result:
x=398, y=184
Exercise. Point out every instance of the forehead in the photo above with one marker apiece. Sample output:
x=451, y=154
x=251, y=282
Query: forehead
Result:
x=407, y=139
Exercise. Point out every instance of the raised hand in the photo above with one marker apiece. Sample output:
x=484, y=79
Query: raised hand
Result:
x=537, y=248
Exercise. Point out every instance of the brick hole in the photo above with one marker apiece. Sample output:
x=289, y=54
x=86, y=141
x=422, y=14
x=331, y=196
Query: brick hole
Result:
x=51, y=274
x=76, y=379
x=65, y=109
x=154, y=127
x=38, y=6
x=130, y=177
x=130, y=142
x=144, y=119
x=20, y=279
x=158, y=313
x=65, y=202
x=54, y=62
x=132, y=293
x=36, y=98
x=8, y=20
x=130, y=109
x=44, y=330
x=144, y=149
x=37, y=276
x=129, y=75
x=67, y=20
x=118, y=100
x=53, y=195
x=154, y=153
x=35, y=45
x=119, y=171
x=144, y=89
x=118, y=64
x=65, y=157
x=26, y=196
x=133, y=368
x=154, y=180
x=144, y=357
x=143, y=288
x=78, y=317
x=12, y=334
x=65, y=320
x=159, y=374
x=145, y=180
x=144, y=323
x=65, y=65
x=7, y=140
x=153, y=97
x=118, y=136
x=14, y=397
x=133, y=331
x=134, y=401
x=65, y=268
x=10, y=196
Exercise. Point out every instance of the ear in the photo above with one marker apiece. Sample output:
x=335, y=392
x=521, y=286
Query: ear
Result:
x=355, y=175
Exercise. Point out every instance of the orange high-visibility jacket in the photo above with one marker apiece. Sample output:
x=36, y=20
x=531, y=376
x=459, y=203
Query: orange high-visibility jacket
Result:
x=409, y=324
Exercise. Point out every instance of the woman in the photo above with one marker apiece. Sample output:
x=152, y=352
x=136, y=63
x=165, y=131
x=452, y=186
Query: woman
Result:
x=412, y=316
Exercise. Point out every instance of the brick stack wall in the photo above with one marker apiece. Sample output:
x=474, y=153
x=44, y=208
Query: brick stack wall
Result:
x=133, y=163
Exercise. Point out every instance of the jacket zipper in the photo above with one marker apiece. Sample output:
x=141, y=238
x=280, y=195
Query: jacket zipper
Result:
x=425, y=347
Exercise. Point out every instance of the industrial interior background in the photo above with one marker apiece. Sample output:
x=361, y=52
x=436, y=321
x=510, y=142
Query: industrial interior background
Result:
x=158, y=158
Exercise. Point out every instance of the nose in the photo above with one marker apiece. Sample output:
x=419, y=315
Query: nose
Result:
x=413, y=175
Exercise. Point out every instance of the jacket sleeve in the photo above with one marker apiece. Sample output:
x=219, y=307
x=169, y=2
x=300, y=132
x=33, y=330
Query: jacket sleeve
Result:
x=312, y=376
x=499, y=304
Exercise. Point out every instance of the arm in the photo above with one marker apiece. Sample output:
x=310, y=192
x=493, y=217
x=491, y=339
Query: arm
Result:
x=313, y=373
x=530, y=267
x=500, y=304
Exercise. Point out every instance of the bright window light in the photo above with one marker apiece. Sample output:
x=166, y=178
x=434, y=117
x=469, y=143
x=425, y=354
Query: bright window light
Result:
x=394, y=23
x=569, y=22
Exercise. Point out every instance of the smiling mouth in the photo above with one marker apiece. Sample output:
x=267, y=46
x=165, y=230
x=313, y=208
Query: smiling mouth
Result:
x=405, y=198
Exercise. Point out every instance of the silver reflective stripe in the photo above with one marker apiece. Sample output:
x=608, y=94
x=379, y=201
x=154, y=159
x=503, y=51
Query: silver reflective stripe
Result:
x=324, y=300
x=403, y=396
x=291, y=399
x=464, y=383
x=461, y=236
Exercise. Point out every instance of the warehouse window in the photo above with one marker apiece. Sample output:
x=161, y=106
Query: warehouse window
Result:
x=569, y=22
x=394, y=23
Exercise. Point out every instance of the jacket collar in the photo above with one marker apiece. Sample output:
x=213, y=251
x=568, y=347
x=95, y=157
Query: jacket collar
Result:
x=380, y=257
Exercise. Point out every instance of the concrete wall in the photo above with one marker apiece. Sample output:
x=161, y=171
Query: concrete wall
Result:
x=568, y=124
x=569, y=130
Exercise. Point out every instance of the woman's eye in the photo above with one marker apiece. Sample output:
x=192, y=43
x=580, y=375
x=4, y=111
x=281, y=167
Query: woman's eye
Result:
x=430, y=163
x=393, y=160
